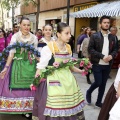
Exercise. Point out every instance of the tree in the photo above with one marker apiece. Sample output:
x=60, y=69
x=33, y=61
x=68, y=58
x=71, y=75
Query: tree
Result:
x=9, y=4
x=1, y=6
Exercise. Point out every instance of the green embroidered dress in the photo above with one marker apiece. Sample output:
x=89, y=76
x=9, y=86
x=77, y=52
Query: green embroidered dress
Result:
x=15, y=94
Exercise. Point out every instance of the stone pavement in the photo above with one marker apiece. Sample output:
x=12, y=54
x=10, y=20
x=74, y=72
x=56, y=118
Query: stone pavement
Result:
x=91, y=112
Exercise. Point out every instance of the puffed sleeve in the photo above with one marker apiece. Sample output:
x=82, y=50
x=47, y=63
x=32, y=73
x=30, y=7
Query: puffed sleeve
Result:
x=35, y=42
x=13, y=40
x=117, y=80
x=46, y=55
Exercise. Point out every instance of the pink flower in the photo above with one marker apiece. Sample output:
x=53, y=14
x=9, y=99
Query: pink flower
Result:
x=89, y=65
x=84, y=73
x=81, y=63
x=32, y=87
x=86, y=69
x=56, y=64
x=42, y=80
x=65, y=61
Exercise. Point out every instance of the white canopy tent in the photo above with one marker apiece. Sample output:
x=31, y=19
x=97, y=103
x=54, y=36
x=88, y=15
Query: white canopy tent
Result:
x=106, y=8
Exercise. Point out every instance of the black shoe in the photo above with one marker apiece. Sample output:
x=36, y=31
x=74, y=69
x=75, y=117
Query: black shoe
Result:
x=27, y=116
x=98, y=105
x=109, y=77
x=89, y=82
x=88, y=78
x=88, y=97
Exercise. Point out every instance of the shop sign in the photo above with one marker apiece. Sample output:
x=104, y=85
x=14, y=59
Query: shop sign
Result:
x=84, y=6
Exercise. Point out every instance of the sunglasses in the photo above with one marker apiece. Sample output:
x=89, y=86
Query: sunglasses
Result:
x=16, y=26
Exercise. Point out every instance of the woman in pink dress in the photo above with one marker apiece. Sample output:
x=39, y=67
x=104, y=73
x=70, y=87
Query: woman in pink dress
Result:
x=2, y=45
x=2, y=40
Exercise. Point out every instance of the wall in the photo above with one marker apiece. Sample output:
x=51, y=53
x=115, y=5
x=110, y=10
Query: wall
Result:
x=28, y=9
x=55, y=14
x=46, y=5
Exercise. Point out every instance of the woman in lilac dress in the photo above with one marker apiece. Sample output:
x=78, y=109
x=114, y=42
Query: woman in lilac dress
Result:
x=15, y=94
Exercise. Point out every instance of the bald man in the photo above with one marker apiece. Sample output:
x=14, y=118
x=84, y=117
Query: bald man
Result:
x=113, y=31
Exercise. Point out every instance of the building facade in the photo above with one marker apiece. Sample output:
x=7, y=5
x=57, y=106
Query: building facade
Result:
x=52, y=12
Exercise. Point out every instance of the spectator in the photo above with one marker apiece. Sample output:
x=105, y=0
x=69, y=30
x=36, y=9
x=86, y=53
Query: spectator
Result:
x=80, y=40
x=2, y=45
x=39, y=34
x=2, y=40
x=15, y=29
x=86, y=54
x=102, y=49
x=110, y=98
x=71, y=43
x=113, y=31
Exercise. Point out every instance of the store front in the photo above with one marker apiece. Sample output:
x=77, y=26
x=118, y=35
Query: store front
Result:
x=53, y=22
x=111, y=8
x=84, y=21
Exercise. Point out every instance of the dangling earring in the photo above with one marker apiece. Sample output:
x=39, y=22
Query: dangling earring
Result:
x=20, y=29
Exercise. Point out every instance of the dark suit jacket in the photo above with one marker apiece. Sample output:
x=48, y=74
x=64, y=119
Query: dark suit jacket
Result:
x=96, y=45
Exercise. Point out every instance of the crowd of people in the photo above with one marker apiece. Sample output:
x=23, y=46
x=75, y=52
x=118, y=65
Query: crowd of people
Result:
x=58, y=97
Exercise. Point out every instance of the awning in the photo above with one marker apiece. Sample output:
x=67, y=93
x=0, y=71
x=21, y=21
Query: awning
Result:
x=53, y=18
x=106, y=8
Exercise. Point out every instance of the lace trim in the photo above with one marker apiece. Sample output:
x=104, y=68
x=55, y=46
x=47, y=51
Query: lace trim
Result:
x=63, y=56
x=66, y=112
x=16, y=104
x=16, y=58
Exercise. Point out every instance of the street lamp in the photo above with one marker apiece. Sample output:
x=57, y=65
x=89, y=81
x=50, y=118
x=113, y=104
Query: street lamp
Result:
x=68, y=11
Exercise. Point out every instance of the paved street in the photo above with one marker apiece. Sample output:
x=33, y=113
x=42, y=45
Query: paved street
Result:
x=91, y=112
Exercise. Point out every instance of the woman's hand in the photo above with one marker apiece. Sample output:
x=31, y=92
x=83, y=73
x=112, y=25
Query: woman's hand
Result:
x=81, y=71
x=3, y=72
x=77, y=70
x=37, y=73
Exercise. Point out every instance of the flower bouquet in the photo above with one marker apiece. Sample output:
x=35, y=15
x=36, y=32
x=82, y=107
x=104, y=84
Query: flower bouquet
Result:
x=84, y=62
x=16, y=45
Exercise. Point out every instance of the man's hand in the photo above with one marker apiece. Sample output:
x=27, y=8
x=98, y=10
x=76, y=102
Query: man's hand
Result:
x=78, y=48
x=110, y=57
x=105, y=59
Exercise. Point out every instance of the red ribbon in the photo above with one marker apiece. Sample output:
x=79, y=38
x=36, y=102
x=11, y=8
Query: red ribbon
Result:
x=29, y=57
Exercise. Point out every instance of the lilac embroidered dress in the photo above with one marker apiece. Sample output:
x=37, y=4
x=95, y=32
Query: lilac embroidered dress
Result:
x=17, y=101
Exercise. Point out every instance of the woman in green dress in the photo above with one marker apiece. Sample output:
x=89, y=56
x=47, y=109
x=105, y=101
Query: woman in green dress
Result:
x=18, y=73
x=59, y=96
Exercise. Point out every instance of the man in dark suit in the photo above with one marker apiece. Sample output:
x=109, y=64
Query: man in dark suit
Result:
x=102, y=48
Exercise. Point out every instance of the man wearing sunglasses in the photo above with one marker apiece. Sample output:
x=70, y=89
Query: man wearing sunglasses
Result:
x=15, y=29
